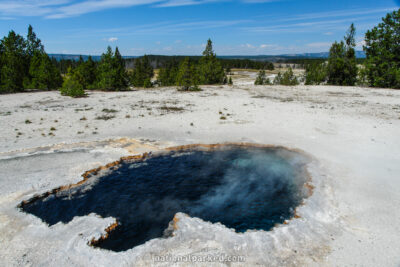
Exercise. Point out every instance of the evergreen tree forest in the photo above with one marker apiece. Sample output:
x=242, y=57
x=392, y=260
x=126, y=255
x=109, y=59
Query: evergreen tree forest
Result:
x=25, y=65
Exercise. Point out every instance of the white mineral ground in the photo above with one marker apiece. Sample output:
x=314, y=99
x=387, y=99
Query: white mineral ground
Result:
x=352, y=218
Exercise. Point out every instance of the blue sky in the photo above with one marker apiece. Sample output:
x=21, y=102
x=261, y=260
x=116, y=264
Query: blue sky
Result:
x=181, y=27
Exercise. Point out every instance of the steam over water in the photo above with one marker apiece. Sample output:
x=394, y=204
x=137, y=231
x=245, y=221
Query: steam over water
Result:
x=240, y=187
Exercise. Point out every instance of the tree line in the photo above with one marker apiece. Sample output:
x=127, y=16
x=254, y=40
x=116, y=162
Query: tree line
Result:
x=380, y=68
x=159, y=61
x=24, y=65
x=111, y=74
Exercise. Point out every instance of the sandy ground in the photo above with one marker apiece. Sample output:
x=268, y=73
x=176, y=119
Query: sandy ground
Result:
x=352, y=219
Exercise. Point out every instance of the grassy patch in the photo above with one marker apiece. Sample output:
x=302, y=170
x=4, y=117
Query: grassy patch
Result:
x=81, y=109
x=172, y=108
x=8, y=113
x=105, y=117
x=28, y=122
x=106, y=110
x=25, y=106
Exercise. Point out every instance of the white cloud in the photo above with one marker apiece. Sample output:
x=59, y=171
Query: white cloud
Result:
x=264, y=46
x=250, y=46
x=112, y=39
x=360, y=44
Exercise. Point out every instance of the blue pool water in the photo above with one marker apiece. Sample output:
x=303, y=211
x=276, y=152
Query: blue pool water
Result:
x=240, y=187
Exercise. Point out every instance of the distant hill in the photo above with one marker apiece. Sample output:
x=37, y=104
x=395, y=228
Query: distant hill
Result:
x=76, y=57
x=275, y=58
x=271, y=58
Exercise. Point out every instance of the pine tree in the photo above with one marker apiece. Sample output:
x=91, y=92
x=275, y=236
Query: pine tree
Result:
x=167, y=75
x=89, y=73
x=210, y=69
x=80, y=60
x=143, y=72
x=342, y=66
x=261, y=78
x=230, y=82
x=111, y=73
x=187, y=77
x=13, y=60
x=105, y=69
x=33, y=44
x=382, y=48
x=85, y=73
x=44, y=75
x=105, y=78
x=350, y=59
x=336, y=63
x=120, y=79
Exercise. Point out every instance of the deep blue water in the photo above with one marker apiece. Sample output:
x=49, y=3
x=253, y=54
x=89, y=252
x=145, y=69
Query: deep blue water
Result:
x=243, y=188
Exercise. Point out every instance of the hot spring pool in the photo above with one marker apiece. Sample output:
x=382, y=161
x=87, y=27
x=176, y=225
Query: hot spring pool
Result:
x=242, y=187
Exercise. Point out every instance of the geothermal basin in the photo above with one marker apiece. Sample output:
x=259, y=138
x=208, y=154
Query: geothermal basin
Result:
x=244, y=187
x=350, y=133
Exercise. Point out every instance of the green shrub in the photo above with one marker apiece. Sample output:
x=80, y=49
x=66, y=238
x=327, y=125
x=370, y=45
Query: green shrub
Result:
x=147, y=83
x=287, y=78
x=262, y=79
x=72, y=87
x=316, y=73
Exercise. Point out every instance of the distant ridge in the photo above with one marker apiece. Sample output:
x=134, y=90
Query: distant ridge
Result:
x=272, y=58
x=76, y=57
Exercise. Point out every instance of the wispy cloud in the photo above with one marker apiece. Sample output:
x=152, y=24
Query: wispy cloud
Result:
x=160, y=28
x=309, y=26
x=57, y=9
x=338, y=13
x=174, y=3
x=259, y=1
